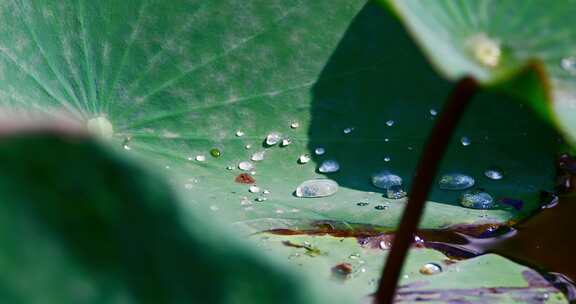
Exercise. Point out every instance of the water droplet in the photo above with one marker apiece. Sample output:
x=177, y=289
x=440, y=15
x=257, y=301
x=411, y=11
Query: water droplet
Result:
x=385, y=244
x=354, y=256
x=317, y=188
x=385, y=180
x=380, y=207
x=494, y=173
x=390, y=123
x=252, y=172
x=348, y=130
x=200, y=158
x=329, y=166
x=285, y=142
x=248, y=146
x=386, y=139
x=395, y=192
x=258, y=156
x=126, y=143
x=465, y=141
x=477, y=199
x=272, y=138
x=485, y=50
x=569, y=64
x=319, y=151
x=304, y=158
x=260, y=199
x=266, y=191
x=100, y=126
x=433, y=112
x=430, y=268
x=239, y=133
x=295, y=125
x=387, y=159
x=455, y=181
x=215, y=152
x=362, y=204
x=254, y=189
x=245, y=166
x=230, y=168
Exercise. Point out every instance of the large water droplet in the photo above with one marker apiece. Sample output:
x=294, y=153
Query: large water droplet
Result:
x=245, y=166
x=317, y=188
x=494, y=173
x=100, y=126
x=385, y=180
x=273, y=138
x=390, y=123
x=455, y=181
x=319, y=151
x=485, y=50
x=395, y=192
x=329, y=166
x=569, y=64
x=465, y=141
x=258, y=156
x=430, y=268
x=304, y=158
x=477, y=199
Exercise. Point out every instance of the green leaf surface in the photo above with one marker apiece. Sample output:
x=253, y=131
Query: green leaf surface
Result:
x=171, y=80
x=484, y=279
x=96, y=228
x=523, y=32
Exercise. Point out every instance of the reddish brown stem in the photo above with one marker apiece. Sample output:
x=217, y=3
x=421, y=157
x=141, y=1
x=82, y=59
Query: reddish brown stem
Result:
x=422, y=183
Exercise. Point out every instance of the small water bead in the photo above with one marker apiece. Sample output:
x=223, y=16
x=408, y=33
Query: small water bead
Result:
x=387, y=159
x=362, y=204
x=385, y=244
x=319, y=151
x=477, y=199
x=395, y=192
x=258, y=156
x=386, y=139
x=465, y=141
x=456, y=181
x=285, y=142
x=354, y=256
x=273, y=138
x=245, y=166
x=348, y=130
x=317, y=188
x=295, y=125
x=100, y=126
x=126, y=143
x=215, y=152
x=385, y=180
x=239, y=133
x=390, y=123
x=433, y=112
x=254, y=189
x=260, y=199
x=248, y=147
x=200, y=158
x=494, y=173
x=230, y=168
x=304, y=158
x=485, y=50
x=380, y=207
x=569, y=64
x=430, y=269
x=266, y=191
x=329, y=166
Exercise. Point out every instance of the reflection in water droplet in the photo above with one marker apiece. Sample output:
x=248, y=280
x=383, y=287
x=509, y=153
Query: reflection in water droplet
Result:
x=285, y=142
x=485, y=50
x=569, y=64
x=477, y=199
x=430, y=268
x=348, y=130
x=362, y=204
x=395, y=192
x=254, y=189
x=465, y=141
x=100, y=126
x=126, y=143
x=494, y=173
x=317, y=188
x=239, y=133
x=385, y=180
x=245, y=166
x=329, y=166
x=295, y=125
x=455, y=181
x=319, y=151
x=200, y=158
x=387, y=159
x=304, y=158
x=433, y=112
x=215, y=152
x=258, y=156
x=390, y=123
x=385, y=244
x=272, y=138
x=380, y=207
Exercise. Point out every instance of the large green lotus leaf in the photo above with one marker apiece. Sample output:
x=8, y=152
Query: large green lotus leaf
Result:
x=485, y=279
x=170, y=80
x=465, y=38
x=96, y=228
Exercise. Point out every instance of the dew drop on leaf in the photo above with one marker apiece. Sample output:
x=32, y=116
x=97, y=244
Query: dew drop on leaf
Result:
x=245, y=166
x=200, y=158
x=485, y=50
x=390, y=123
x=329, y=166
x=455, y=181
x=348, y=130
x=319, y=151
x=272, y=138
x=494, y=173
x=258, y=156
x=100, y=126
x=433, y=112
x=295, y=125
x=215, y=152
x=385, y=180
x=477, y=199
x=430, y=268
x=285, y=142
x=362, y=204
x=239, y=133
x=304, y=158
x=260, y=199
x=254, y=189
x=317, y=188
x=465, y=141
